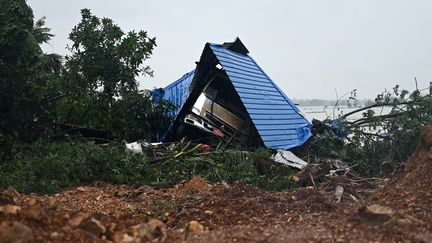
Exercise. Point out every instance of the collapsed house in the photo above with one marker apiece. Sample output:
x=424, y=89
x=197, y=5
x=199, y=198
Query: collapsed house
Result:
x=229, y=97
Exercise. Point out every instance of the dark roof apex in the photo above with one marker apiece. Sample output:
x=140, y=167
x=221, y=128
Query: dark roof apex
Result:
x=236, y=46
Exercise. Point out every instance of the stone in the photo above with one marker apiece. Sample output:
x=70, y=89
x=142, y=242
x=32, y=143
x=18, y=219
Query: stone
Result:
x=9, y=196
x=153, y=230
x=377, y=213
x=35, y=213
x=121, y=193
x=6, y=199
x=381, y=210
x=195, y=226
x=10, y=209
x=15, y=232
x=338, y=193
x=123, y=237
x=77, y=219
x=81, y=189
x=94, y=227
x=10, y=191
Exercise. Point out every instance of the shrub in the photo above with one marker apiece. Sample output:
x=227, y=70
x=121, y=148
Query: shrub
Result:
x=47, y=167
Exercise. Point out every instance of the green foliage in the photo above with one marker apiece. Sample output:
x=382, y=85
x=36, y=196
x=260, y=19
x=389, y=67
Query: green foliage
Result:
x=23, y=81
x=104, y=57
x=251, y=167
x=377, y=143
x=101, y=81
x=47, y=167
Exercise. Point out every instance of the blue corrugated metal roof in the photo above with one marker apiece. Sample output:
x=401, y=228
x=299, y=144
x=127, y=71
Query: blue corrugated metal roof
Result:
x=178, y=92
x=277, y=119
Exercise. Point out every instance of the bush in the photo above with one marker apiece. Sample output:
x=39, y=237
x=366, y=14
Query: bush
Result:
x=47, y=167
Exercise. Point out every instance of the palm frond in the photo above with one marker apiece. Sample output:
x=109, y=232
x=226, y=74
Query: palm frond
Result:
x=41, y=33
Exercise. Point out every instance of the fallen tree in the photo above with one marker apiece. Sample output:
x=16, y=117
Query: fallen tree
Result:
x=375, y=143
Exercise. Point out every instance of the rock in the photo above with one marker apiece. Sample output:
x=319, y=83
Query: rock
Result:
x=225, y=185
x=84, y=235
x=33, y=201
x=34, y=212
x=208, y=212
x=377, y=213
x=57, y=235
x=152, y=230
x=144, y=188
x=121, y=193
x=9, y=196
x=10, y=209
x=6, y=199
x=81, y=189
x=10, y=191
x=94, y=227
x=77, y=219
x=380, y=210
x=124, y=237
x=15, y=232
x=51, y=204
x=338, y=193
x=66, y=229
x=195, y=226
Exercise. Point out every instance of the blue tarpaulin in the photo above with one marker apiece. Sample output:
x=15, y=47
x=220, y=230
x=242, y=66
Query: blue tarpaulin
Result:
x=276, y=118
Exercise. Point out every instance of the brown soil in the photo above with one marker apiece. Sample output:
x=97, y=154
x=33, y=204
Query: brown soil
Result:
x=195, y=211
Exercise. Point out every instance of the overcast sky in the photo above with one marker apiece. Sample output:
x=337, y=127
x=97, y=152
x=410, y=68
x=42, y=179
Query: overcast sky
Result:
x=309, y=48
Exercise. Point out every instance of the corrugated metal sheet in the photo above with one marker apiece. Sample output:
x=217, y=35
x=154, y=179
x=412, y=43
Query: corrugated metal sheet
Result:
x=277, y=119
x=178, y=92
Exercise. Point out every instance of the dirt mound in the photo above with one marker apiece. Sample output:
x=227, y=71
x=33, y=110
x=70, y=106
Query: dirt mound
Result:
x=401, y=210
x=196, y=185
x=411, y=192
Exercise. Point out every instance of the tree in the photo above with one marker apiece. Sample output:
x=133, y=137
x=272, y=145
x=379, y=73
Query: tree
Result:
x=101, y=78
x=375, y=144
x=27, y=75
x=18, y=61
x=104, y=57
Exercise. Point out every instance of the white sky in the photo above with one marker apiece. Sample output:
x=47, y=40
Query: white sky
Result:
x=309, y=48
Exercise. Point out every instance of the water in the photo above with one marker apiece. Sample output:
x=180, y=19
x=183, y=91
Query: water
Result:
x=322, y=113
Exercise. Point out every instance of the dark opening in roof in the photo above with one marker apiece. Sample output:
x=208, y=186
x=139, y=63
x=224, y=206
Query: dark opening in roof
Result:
x=236, y=46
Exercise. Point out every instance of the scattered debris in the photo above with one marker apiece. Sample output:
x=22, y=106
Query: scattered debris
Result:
x=338, y=193
x=134, y=147
x=288, y=158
